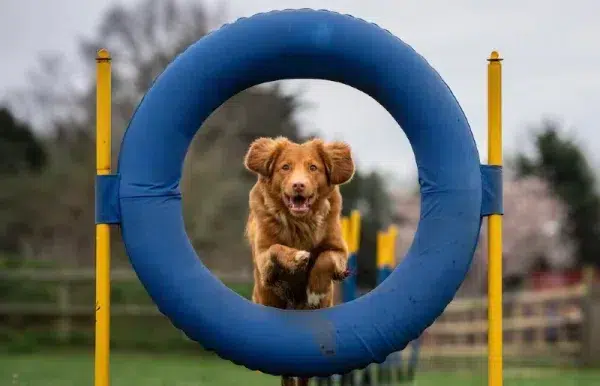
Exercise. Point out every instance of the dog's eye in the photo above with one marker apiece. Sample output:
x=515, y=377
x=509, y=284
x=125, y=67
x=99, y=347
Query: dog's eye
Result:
x=313, y=168
x=286, y=167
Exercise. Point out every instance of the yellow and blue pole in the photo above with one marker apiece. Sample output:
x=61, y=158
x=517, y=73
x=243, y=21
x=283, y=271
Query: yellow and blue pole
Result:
x=340, y=288
x=386, y=258
x=349, y=290
x=339, y=296
x=351, y=229
x=386, y=242
x=103, y=167
x=494, y=228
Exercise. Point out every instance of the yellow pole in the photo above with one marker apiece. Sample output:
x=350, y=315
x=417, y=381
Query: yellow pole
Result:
x=354, y=231
x=495, y=377
x=346, y=230
x=380, y=251
x=103, y=167
x=393, y=235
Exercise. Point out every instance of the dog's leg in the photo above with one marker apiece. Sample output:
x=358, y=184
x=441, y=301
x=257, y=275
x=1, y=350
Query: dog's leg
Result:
x=303, y=382
x=330, y=265
x=291, y=381
x=278, y=257
x=268, y=298
x=290, y=259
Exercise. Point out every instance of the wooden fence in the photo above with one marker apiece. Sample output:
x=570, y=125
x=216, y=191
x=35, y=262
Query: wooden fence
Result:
x=556, y=323
x=60, y=304
x=536, y=323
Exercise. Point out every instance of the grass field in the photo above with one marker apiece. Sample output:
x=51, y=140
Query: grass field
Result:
x=76, y=369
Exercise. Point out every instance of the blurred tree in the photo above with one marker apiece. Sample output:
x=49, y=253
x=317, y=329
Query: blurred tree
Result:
x=43, y=214
x=20, y=150
x=561, y=162
x=143, y=39
x=21, y=155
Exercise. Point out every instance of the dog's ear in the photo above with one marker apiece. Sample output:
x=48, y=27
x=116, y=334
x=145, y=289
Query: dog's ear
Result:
x=338, y=161
x=262, y=154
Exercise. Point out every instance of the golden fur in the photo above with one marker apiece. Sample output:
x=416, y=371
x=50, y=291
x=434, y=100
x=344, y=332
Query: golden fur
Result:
x=294, y=226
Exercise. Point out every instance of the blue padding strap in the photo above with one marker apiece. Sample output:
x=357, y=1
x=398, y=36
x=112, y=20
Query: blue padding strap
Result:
x=107, y=199
x=491, y=185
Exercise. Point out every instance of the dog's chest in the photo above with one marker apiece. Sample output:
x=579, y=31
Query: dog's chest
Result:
x=303, y=235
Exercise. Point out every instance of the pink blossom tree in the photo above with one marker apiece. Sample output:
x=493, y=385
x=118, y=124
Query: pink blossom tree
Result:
x=532, y=231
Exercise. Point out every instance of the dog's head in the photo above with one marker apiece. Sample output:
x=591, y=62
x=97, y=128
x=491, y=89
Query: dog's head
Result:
x=299, y=175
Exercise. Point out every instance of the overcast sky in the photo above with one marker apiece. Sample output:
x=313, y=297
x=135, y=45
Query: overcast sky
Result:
x=551, y=66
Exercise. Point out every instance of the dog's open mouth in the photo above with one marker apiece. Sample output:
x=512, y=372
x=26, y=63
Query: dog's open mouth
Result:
x=298, y=204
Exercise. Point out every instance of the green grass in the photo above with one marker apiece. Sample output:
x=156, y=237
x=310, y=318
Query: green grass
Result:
x=76, y=369
x=513, y=377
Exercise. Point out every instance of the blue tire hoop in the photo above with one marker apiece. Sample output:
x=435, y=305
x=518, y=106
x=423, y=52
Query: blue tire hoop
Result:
x=304, y=44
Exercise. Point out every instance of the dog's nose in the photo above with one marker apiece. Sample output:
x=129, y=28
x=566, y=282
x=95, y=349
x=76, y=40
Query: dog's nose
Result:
x=298, y=186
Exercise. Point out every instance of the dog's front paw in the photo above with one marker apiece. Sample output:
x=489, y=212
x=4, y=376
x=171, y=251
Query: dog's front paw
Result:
x=301, y=259
x=289, y=259
x=301, y=256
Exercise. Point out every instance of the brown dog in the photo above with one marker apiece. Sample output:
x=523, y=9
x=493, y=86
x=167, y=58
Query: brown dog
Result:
x=294, y=226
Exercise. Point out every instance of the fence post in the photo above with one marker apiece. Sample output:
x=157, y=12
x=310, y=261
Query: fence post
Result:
x=590, y=337
x=64, y=318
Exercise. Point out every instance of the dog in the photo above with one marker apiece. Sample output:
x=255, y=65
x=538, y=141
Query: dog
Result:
x=294, y=222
